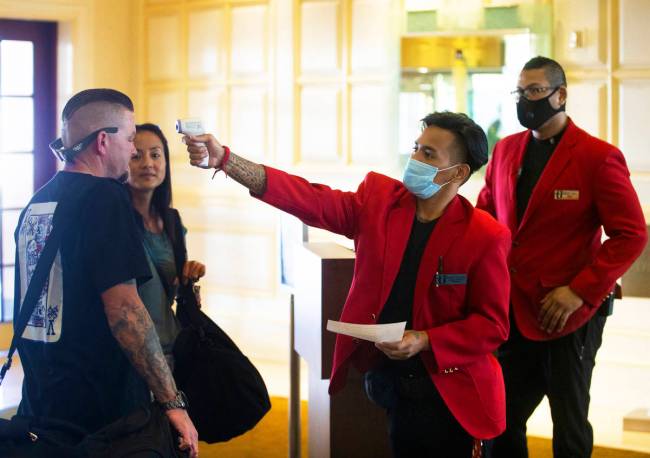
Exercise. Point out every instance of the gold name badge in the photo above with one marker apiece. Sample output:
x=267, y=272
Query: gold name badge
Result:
x=566, y=194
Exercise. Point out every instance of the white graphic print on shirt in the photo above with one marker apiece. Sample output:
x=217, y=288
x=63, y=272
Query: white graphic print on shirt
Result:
x=45, y=322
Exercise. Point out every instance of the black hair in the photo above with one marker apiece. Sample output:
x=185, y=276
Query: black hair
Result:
x=471, y=141
x=162, y=195
x=88, y=96
x=553, y=71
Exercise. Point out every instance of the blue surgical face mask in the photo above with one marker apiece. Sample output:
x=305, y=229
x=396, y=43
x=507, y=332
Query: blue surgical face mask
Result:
x=418, y=178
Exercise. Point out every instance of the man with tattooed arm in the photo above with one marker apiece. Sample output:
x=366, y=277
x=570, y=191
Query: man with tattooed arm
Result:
x=90, y=352
x=426, y=256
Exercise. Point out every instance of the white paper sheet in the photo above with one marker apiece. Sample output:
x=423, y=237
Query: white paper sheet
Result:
x=391, y=332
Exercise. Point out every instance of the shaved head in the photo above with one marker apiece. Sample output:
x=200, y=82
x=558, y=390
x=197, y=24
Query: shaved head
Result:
x=92, y=111
x=91, y=117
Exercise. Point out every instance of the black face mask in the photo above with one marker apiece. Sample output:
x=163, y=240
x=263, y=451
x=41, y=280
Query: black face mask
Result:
x=534, y=113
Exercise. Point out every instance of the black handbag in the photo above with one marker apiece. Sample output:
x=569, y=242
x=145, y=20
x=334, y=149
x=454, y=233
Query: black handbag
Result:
x=227, y=395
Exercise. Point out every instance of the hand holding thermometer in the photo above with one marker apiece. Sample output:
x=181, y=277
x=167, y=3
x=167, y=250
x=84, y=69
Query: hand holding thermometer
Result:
x=192, y=126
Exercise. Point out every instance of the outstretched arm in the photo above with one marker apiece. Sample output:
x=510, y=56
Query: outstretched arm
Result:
x=314, y=204
x=243, y=171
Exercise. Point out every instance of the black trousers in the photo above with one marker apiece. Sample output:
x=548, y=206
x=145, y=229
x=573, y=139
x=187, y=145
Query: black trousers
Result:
x=560, y=369
x=419, y=422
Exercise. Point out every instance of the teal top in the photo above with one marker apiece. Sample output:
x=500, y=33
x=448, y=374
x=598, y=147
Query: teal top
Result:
x=157, y=300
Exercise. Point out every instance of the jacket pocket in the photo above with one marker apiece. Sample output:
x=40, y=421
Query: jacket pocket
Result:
x=447, y=302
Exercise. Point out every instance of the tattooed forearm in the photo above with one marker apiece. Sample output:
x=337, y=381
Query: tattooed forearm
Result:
x=247, y=173
x=132, y=327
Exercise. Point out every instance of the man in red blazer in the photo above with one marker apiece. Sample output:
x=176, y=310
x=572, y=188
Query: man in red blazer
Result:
x=423, y=255
x=556, y=187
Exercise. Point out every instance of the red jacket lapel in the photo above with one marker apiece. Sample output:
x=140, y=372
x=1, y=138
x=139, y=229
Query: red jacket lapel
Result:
x=513, y=170
x=400, y=222
x=560, y=158
x=451, y=225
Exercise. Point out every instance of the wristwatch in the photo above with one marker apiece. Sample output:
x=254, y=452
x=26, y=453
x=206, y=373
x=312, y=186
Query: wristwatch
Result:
x=179, y=402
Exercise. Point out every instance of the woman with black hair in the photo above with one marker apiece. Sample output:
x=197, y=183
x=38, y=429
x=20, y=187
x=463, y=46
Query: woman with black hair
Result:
x=150, y=188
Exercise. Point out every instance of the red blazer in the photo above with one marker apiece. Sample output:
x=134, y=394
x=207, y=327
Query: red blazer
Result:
x=585, y=185
x=465, y=322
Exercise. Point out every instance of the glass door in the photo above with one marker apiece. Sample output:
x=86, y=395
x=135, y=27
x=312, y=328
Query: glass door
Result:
x=27, y=125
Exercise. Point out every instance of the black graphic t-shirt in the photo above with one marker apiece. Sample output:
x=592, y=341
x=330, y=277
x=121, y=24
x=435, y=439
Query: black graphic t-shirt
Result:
x=74, y=368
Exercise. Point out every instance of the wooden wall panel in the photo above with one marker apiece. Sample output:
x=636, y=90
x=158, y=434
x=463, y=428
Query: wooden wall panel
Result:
x=249, y=39
x=209, y=104
x=319, y=33
x=320, y=116
x=633, y=133
x=163, y=108
x=633, y=16
x=240, y=261
x=206, y=44
x=249, y=115
x=371, y=125
x=587, y=105
x=588, y=18
x=371, y=38
x=164, y=52
x=348, y=48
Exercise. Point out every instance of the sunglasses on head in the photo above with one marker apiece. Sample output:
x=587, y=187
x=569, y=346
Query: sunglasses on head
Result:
x=68, y=154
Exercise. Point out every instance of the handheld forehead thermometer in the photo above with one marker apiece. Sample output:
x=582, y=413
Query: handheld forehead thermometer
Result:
x=192, y=126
